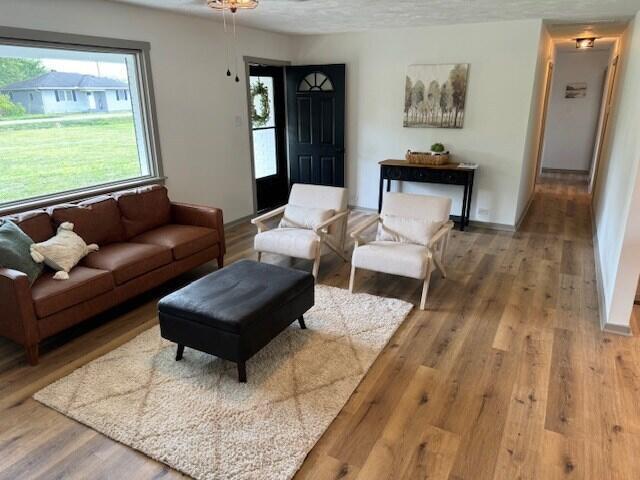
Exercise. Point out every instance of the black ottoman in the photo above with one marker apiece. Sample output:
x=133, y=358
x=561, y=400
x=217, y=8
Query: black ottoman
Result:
x=234, y=312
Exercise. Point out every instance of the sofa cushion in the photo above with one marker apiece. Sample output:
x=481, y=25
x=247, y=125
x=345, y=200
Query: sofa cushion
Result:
x=183, y=240
x=51, y=296
x=36, y=223
x=96, y=220
x=144, y=209
x=128, y=260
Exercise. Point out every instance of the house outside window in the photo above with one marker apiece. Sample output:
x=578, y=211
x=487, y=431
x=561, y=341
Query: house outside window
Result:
x=85, y=153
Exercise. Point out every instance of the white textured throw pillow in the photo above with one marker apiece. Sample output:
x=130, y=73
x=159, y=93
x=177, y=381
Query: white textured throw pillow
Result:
x=406, y=230
x=62, y=252
x=307, y=218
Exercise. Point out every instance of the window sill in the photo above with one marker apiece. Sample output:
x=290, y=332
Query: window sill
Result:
x=77, y=195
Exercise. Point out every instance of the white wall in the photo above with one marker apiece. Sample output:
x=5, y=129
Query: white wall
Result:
x=572, y=122
x=503, y=58
x=201, y=113
x=532, y=143
x=617, y=191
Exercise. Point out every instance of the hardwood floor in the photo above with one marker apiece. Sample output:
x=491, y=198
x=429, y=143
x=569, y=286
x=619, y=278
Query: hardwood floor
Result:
x=505, y=376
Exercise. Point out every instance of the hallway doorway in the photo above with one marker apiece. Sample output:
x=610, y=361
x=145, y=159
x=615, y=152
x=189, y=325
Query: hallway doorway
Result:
x=577, y=102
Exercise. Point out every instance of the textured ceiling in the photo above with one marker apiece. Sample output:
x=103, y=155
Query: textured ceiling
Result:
x=330, y=16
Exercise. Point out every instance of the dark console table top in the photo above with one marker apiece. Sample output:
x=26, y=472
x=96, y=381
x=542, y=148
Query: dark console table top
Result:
x=404, y=163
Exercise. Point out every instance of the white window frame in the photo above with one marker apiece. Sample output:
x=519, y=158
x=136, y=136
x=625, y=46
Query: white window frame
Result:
x=152, y=172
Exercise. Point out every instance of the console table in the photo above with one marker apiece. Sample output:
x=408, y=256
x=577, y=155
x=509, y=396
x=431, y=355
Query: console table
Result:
x=450, y=174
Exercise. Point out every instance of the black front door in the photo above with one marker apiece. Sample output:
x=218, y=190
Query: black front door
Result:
x=315, y=108
x=268, y=131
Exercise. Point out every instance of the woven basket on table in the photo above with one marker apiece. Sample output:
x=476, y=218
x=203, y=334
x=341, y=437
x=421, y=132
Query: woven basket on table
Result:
x=427, y=158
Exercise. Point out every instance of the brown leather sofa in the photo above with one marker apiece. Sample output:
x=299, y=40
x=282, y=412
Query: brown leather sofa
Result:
x=145, y=240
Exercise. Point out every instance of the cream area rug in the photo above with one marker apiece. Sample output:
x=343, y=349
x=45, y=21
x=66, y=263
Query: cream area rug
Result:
x=194, y=416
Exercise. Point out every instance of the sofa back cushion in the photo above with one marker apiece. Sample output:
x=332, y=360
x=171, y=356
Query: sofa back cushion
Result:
x=96, y=220
x=36, y=224
x=144, y=209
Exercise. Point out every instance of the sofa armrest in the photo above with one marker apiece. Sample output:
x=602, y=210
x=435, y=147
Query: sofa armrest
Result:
x=200, y=216
x=18, y=320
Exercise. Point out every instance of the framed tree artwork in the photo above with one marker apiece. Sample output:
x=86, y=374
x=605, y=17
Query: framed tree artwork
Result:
x=435, y=95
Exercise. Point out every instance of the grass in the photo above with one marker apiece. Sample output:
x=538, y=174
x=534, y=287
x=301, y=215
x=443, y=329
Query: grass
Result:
x=46, y=158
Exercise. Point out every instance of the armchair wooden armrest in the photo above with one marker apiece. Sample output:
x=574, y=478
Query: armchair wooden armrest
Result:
x=322, y=227
x=438, y=244
x=442, y=232
x=358, y=231
x=259, y=220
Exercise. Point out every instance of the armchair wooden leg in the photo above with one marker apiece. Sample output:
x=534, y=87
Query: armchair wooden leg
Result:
x=440, y=267
x=425, y=286
x=316, y=262
x=425, y=291
x=352, y=278
x=31, y=351
x=445, y=243
x=316, y=267
x=221, y=261
x=259, y=257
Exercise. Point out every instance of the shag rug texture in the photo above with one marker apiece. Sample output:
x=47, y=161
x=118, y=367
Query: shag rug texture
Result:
x=194, y=416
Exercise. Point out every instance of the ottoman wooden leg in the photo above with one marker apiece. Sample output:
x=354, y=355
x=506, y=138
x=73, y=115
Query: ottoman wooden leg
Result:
x=179, y=352
x=242, y=372
x=301, y=322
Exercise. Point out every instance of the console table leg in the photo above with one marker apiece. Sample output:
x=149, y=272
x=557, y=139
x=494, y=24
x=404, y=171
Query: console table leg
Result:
x=303, y=326
x=463, y=215
x=242, y=372
x=380, y=192
x=469, y=200
x=179, y=352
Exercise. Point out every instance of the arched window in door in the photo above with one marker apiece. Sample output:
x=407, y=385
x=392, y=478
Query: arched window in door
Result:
x=315, y=82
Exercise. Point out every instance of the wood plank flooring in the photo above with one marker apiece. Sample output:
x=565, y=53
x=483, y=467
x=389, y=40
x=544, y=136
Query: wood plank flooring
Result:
x=506, y=376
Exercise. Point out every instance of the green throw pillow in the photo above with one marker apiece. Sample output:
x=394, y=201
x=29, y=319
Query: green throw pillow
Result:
x=14, y=251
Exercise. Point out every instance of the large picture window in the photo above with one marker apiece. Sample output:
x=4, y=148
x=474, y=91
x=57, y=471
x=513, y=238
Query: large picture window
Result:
x=72, y=120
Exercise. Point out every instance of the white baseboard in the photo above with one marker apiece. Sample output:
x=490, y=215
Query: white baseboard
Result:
x=605, y=326
x=240, y=220
x=624, y=330
x=504, y=227
x=526, y=209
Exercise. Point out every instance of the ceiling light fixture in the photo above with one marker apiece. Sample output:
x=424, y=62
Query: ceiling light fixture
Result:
x=232, y=6
x=585, y=42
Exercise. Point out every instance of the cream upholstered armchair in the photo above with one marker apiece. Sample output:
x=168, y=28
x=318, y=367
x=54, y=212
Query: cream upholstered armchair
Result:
x=411, y=241
x=314, y=218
